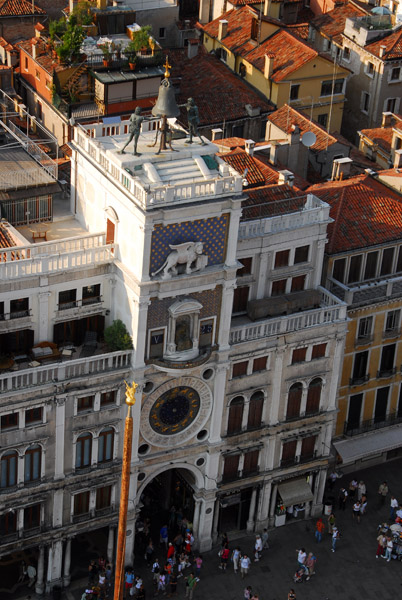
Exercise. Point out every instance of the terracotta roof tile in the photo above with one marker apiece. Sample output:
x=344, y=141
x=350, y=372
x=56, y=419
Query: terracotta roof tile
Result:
x=6, y=239
x=270, y=200
x=290, y=54
x=227, y=93
x=365, y=213
x=238, y=35
x=300, y=29
x=392, y=43
x=380, y=135
x=286, y=116
x=43, y=57
x=258, y=173
x=332, y=23
x=19, y=8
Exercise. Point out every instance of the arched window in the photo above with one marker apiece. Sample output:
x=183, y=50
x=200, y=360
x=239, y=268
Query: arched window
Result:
x=235, y=415
x=294, y=401
x=255, y=410
x=83, y=451
x=314, y=396
x=9, y=462
x=33, y=460
x=105, y=445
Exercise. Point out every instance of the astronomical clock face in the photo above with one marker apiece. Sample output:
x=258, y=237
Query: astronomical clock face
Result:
x=174, y=410
x=174, y=413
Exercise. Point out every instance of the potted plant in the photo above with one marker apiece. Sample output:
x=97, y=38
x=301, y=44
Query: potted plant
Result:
x=117, y=337
x=139, y=42
x=107, y=55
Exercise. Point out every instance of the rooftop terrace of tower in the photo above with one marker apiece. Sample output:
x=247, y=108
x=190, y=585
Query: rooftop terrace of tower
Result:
x=188, y=172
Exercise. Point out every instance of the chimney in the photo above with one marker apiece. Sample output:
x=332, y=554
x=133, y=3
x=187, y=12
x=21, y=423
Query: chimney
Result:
x=269, y=65
x=223, y=29
x=273, y=153
x=286, y=176
x=398, y=159
x=250, y=145
x=341, y=168
x=295, y=135
x=266, y=7
x=387, y=119
x=34, y=42
x=382, y=51
x=192, y=48
x=216, y=134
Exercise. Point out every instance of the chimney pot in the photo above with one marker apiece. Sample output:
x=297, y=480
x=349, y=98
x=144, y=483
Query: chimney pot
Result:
x=269, y=65
x=286, y=176
x=216, y=134
x=223, y=29
x=382, y=51
x=249, y=146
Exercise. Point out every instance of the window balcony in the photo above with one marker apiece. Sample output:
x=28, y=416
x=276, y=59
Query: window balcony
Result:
x=81, y=518
x=289, y=462
x=15, y=320
x=383, y=373
x=359, y=380
x=363, y=340
x=351, y=428
x=391, y=333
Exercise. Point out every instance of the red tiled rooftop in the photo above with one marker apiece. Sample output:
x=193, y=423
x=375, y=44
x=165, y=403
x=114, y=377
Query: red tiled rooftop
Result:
x=270, y=200
x=237, y=39
x=380, y=135
x=392, y=43
x=227, y=94
x=43, y=57
x=19, y=8
x=6, y=239
x=299, y=29
x=365, y=213
x=258, y=173
x=332, y=23
x=290, y=54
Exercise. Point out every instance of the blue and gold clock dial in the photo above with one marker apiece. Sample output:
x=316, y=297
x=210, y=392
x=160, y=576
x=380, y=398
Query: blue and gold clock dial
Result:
x=174, y=410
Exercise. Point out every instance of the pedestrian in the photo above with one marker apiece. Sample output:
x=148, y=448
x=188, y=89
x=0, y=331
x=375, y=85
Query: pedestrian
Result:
x=101, y=563
x=161, y=584
x=291, y=595
x=22, y=571
x=393, y=508
x=399, y=514
x=310, y=564
x=244, y=565
x=301, y=558
x=31, y=572
x=191, y=584
x=224, y=539
x=254, y=597
x=363, y=505
x=182, y=564
x=381, y=545
x=173, y=584
x=198, y=565
x=264, y=538
x=156, y=570
x=332, y=479
x=149, y=552
x=92, y=572
x=352, y=488
x=164, y=536
x=141, y=593
x=167, y=571
x=257, y=548
x=335, y=536
x=247, y=593
x=382, y=493
x=356, y=511
x=225, y=553
x=108, y=573
x=331, y=522
x=178, y=542
x=170, y=552
x=388, y=548
x=319, y=530
x=361, y=490
x=129, y=579
x=235, y=559
x=342, y=499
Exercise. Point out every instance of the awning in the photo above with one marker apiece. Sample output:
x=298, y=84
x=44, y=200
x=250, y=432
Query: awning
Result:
x=295, y=491
x=362, y=446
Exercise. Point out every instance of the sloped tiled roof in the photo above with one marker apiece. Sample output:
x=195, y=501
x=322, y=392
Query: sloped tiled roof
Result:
x=258, y=173
x=365, y=213
x=392, y=43
x=379, y=135
x=290, y=53
x=43, y=57
x=237, y=39
x=6, y=239
x=299, y=29
x=270, y=200
x=227, y=94
x=286, y=116
x=244, y=2
x=19, y=8
x=332, y=23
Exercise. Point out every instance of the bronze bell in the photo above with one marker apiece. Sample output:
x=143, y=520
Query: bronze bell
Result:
x=166, y=105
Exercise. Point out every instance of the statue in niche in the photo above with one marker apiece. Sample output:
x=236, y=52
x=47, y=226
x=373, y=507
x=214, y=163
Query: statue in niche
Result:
x=188, y=254
x=182, y=336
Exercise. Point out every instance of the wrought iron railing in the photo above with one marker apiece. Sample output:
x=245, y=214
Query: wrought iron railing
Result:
x=352, y=428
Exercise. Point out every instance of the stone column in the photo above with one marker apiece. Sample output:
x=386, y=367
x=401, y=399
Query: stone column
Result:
x=139, y=324
x=263, y=505
x=57, y=560
x=43, y=332
x=250, y=520
x=319, y=488
x=49, y=568
x=215, y=522
x=59, y=438
x=206, y=522
x=110, y=544
x=262, y=274
x=196, y=517
x=218, y=403
x=40, y=571
x=226, y=315
x=130, y=537
x=67, y=563
x=273, y=501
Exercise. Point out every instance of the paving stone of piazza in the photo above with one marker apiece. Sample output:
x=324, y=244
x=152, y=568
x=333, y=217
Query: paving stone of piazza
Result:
x=351, y=573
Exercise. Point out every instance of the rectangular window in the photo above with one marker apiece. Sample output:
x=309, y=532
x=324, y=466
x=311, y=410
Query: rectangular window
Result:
x=67, y=299
x=246, y=268
x=299, y=355
x=354, y=411
x=223, y=54
x=338, y=269
x=365, y=328
x=162, y=33
x=32, y=517
x=399, y=261
x=326, y=87
x=294, y=91
x=37, y=74
x=239, y=369
x=240, y=299
x=19, y=308
x=392, y=321
x=318, y=351
x=390, y=105
x=346, y=53
x=8, y=523
x=85, y=403
x=355, y=268
x=387, y=260
x=103, y=497
x=365, y=102
x=206, y=333
x=156, y=343
x=396, y=74
x=370, y=270
x=370, y=69
x=91, y=294
x=288, y=453
x=9, y=421
x=387, y=360
x=282, y=259
x=26, y=63
x=323, y=119
x=81, y=503
x=259, y=364
x=301, y=254
x=278, y=287
x=108, y=398
x=48, y=84
x=298, y=283
x=33, y=416
x=231, y=467
x=381, y=405
x=250, y=464
x=307, y=448
x=360, y=366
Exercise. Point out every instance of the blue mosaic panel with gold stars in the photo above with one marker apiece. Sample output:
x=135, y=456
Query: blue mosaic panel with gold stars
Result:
x=211, y=232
